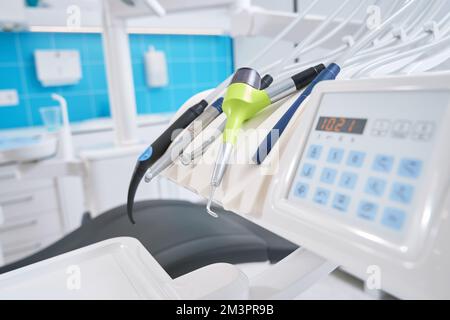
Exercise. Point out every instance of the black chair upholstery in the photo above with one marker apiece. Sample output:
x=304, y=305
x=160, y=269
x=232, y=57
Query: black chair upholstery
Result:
x=180, y=235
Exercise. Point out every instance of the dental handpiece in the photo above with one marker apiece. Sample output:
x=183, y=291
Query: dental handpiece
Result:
x=270, y=140
x=189, y=134
x=274, y=93
x=162, y=143
x=157, y=149
x=278, y=91
x=188, y=157
x=184, y=139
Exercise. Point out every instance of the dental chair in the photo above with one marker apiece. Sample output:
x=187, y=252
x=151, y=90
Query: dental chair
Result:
x=179, y=234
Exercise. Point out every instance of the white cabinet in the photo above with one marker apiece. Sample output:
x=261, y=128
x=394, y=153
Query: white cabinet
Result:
x=30, y=214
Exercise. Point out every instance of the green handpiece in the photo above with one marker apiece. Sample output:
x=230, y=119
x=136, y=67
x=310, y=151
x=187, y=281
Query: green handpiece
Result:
x=241, y=102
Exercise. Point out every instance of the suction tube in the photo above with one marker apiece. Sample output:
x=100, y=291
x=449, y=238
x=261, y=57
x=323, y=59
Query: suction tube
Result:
x=157, y=149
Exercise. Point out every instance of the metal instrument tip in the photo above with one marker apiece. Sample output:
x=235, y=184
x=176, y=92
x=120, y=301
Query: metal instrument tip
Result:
x=208, y=205
x=148, y=176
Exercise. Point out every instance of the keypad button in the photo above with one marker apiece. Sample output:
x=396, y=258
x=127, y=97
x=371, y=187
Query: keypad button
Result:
x=321, y=196
x=393, y=218
x=341, y=202
x=383, y=163
x=381, y=128
x=301, y=190
x=335, y=155
x=348, y=180
x=314, y=151
x=356, y=159
x=401, y=129
x=367, y=210
x=375, y=187
x=307, y=170
x=401, y=192
x=328, y=175
x=423, y=131
x=410, y=168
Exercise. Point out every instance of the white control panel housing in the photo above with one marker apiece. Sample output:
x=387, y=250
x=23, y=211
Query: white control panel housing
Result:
x=364, y=180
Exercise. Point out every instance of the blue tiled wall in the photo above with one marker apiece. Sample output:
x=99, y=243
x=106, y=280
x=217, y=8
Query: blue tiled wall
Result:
x=195, y=63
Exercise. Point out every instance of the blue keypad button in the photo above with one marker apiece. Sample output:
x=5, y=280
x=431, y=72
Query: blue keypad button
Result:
x=301, y=190
x=383, y=163
x=335, y=155
x=328, y=175
x=367, y=210
x=393, y=218
x=355, y=159
x=341, y=202
x=321, y=196
x=348, y=180
x=314, y=151
x=401, y=192
x=410, y=168
x=375, y=187
x=307, y=170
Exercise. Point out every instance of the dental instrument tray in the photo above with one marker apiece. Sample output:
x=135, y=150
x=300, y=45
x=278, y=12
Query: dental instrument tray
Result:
x=27, y=148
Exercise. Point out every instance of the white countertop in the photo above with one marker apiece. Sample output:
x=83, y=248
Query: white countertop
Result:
x=88, y=126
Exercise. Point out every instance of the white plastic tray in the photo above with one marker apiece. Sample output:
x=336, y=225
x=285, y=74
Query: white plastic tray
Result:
x=119, y=268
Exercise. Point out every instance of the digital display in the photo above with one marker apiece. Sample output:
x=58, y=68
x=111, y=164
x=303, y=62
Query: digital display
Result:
x=341, y=125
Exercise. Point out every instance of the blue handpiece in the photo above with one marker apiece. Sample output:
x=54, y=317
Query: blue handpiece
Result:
x=218, y=104
x=329, y=73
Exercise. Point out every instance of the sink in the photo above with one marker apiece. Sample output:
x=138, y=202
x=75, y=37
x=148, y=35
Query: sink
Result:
x=27, y=148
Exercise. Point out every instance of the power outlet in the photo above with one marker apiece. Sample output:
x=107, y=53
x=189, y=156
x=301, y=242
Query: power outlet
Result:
x=9, y=98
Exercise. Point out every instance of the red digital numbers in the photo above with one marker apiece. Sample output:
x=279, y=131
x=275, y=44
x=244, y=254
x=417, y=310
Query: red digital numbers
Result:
x=333, y=124
x=341, y=125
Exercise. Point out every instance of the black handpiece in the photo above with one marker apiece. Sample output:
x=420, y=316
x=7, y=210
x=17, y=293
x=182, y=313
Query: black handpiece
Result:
x=157, y=149
x=266, y=81
x=304, y=78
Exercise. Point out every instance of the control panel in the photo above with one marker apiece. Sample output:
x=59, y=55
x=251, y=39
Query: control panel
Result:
x=366, y=161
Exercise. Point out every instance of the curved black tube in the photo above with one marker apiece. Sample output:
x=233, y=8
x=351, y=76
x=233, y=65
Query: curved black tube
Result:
x=157, y=149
